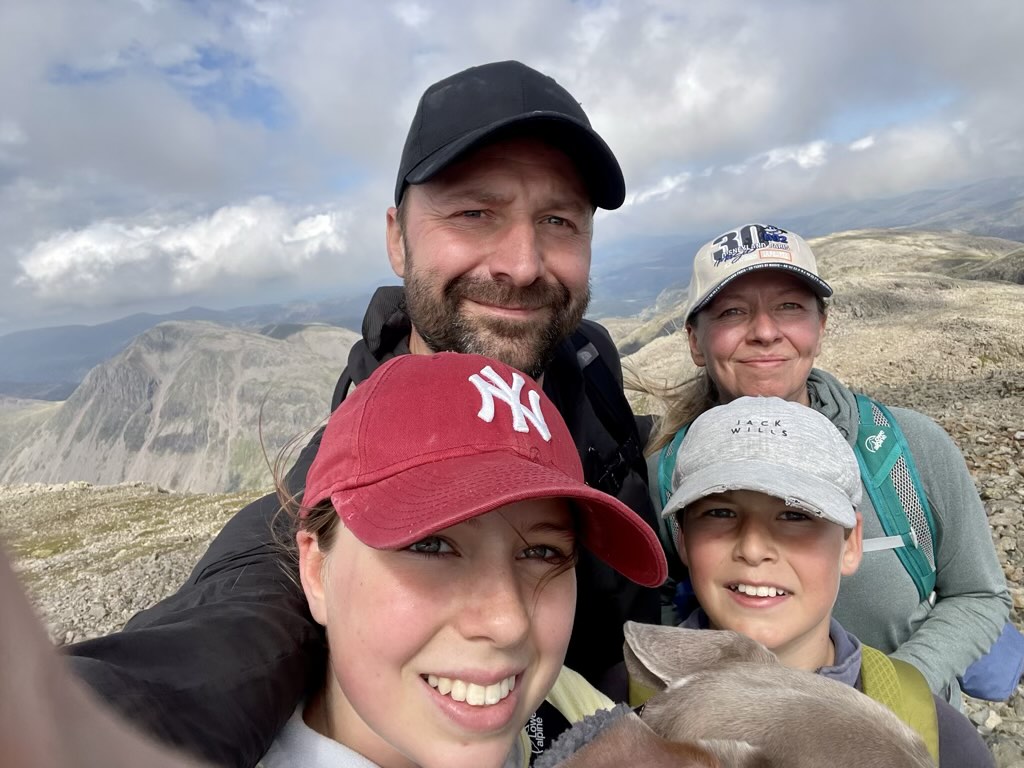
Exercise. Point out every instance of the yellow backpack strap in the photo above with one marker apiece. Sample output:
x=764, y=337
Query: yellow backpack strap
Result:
x=639, y=693
x=903, y=689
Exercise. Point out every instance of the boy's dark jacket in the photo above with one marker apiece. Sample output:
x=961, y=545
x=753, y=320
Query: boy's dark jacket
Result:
x=219, y=666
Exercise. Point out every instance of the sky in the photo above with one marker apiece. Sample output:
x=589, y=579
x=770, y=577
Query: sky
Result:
x=156, y=155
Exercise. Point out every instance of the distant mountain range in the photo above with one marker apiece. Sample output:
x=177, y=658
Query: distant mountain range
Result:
x=198, y=406
x=48, y=363
x=629, y=276
x=188, y=405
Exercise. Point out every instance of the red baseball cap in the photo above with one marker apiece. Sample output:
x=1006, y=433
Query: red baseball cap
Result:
x=429, y=441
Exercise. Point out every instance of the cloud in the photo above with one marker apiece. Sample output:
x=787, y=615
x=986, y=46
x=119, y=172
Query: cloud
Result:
x=811, y=155
x=783, y=180
x=138, y=140
x=121, y=262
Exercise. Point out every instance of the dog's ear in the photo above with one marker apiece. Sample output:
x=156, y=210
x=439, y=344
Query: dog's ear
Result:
x=648, y=654
x=658, y=656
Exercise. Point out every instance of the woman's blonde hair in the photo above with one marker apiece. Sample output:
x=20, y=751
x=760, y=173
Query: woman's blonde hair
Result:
x=683, y=402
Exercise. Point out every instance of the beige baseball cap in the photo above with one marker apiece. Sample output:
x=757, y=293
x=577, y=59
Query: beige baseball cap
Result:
x=745, y=249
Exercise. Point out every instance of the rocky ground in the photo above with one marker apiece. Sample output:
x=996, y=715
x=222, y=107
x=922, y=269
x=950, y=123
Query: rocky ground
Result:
x=993, y=442
x=93, y=556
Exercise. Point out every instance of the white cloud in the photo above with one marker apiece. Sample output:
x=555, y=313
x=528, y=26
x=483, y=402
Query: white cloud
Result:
x=861, y=144
x=11, y=133
x=132, y=261
x=12, y=138
x=412, y=14
x=660, y=190
x=138, y=139
x=810, y=155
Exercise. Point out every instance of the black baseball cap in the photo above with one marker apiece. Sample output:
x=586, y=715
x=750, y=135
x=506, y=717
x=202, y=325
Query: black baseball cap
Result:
x=464, y=111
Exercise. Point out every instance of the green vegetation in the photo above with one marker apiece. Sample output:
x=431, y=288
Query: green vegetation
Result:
x=60, y=533
x=247, y=464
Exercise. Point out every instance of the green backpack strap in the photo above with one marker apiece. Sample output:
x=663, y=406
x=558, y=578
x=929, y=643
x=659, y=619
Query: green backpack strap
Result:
x=666, y=465
x=668, y=527
x=891, y=480
x=903, y=689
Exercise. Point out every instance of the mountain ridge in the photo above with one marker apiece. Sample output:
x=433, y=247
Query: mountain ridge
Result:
x=642, y=268
x=190, y=405
x=627, y=277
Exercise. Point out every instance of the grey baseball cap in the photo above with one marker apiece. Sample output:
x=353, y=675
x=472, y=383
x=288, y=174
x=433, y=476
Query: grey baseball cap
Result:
x=774, y=446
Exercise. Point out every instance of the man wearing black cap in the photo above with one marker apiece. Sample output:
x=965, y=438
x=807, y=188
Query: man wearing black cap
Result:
x=496, y=191
x=491, y=233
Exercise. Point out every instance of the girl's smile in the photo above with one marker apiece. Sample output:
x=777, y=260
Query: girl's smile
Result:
x=477, y=621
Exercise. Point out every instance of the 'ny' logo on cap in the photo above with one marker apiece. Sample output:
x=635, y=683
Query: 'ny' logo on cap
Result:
x=495, y=387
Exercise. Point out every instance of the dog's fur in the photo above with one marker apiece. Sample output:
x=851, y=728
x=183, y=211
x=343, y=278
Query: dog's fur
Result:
x=725, y=701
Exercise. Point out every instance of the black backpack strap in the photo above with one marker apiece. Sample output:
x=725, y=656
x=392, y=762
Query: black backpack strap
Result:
x=341, y=389
x=592, y=342
x=598, y=360
x=544, y=726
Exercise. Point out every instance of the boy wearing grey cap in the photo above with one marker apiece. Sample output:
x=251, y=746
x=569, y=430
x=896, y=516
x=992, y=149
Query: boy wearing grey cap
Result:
x=764, y=512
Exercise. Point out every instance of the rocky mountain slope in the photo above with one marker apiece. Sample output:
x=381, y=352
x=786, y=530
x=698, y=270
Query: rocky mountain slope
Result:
x=48, y=363
x=187, y=405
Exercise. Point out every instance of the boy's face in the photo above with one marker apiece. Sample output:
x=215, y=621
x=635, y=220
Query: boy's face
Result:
x=768, y=571
x=440, y=652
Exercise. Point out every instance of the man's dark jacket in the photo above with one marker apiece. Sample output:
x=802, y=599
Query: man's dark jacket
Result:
x=219, y=666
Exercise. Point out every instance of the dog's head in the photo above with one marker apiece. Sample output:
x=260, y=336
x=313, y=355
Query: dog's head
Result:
x=715, y=687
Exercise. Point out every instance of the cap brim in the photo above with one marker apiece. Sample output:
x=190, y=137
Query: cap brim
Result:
x=815, y=283
x=395, y=512
x=595, y=160
x=799, y=489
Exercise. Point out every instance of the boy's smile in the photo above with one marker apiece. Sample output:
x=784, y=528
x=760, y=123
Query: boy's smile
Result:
x=767, y=570
x=758, y=591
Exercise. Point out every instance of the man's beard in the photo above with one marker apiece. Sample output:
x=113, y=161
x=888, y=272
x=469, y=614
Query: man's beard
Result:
x=528, y=345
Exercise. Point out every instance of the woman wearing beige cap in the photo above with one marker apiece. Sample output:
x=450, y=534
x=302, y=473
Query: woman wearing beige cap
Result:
x=755, y=319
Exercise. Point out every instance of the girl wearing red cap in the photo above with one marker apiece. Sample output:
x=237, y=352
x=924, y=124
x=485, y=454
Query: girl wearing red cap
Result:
x=436, y=542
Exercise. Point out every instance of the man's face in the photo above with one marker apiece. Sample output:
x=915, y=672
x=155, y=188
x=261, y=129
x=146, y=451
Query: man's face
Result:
x=495, y=254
